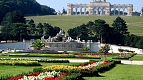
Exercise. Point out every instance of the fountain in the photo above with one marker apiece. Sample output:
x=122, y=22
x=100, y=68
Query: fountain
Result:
x=62, y=42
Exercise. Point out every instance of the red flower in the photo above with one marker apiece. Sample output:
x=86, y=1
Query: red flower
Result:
x=16, y=78
x=12, y=78
x=34, y=74
x=82, y=65
x=49, y=78
x=91, y=62
x=106, y=62
x=62, y=75
x=92, y=67
x=79, y=54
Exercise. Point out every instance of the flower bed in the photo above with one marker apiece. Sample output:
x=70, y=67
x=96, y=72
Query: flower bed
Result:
x=86, y=69
x=50, y=75
x=124, y=56
x=64, y=72
x=20, y=62
x=88, y=56
x=37, y=51
x=59, y=56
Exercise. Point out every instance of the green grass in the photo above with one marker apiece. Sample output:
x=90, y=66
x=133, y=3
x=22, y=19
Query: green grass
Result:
x=138, y=57
x=15, y=70
x=121, y=72
x=135, y=24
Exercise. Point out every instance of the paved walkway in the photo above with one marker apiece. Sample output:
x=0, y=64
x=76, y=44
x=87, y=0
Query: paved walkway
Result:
x=122, y=61
x=132, y=62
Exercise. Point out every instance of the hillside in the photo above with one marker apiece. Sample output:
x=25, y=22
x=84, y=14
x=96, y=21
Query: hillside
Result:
x=135, y=24
x=27, y=7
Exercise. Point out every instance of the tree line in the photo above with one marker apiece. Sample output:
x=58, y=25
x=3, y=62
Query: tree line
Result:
x=27, y=7
x=116, y=34
x=14, y=27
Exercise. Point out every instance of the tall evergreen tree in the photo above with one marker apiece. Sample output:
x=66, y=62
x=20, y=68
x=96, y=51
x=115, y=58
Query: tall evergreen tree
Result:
x=13, y=17
x=103, y=31
x=120, y=26
x=64, y=11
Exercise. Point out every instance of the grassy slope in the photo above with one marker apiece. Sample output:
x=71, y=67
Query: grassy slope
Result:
x=121, y=72
x=135, y=24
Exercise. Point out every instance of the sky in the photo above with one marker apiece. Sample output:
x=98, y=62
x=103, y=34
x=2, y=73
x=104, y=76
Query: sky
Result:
x=59, y=4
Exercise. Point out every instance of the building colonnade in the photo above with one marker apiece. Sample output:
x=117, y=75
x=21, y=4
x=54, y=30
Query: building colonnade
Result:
x=99, y=8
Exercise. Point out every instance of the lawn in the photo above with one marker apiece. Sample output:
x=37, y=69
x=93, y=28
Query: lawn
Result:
x=15, y=70
x=138, y=57
x=121, y=72
x=135, y=24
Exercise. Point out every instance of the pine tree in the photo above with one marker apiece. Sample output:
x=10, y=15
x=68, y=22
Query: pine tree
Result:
x=120, y=26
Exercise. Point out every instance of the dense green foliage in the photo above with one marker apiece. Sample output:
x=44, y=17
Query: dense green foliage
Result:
x=38, y=44
x=27, y=7
x=105, y=48
x=101, y=30
x=19, y=62
x=14, y=27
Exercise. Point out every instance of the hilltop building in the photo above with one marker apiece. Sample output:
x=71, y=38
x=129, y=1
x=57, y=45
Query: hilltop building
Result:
x=100, y=8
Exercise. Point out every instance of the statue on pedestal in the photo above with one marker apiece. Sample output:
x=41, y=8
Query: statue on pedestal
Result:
x=141, y=12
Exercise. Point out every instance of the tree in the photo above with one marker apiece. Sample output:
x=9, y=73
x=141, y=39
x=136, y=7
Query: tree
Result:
x=32, y=28
x=19, y=31
x=40, y=29
x=120, y=26
x=64, y=11
x=73, y=32
x=13, y=17
x=90, y=27
x=27, y=7
x=6, y=31
x=83, y=31
x=9, y=30
x=85, y=48
x=140, y=43
x=56, y=30
x=102, y=30
x=105, y=49
x=38, y=44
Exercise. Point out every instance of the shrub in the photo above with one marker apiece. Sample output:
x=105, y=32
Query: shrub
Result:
x=19, y=62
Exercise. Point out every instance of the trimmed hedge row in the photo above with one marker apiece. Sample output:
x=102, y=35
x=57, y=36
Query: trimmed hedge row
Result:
x=39, y=60
x=57, y=56
x=74, y=76
x=54, y=61
x=115, y=61
x=20, y=62
x=125, y=57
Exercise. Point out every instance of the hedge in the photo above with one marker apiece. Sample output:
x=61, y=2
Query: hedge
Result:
x=39, y=60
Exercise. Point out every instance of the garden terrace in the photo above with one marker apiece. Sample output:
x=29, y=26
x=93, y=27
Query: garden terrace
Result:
x=69, y=74
x=110, y=56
